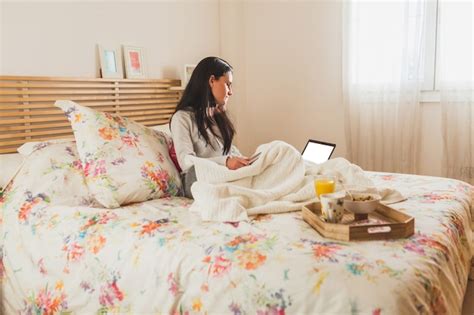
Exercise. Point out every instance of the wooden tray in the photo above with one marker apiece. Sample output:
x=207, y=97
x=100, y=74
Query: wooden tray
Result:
x=384, y=223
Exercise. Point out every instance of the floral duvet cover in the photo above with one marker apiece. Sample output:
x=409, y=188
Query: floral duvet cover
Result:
x=157, y=257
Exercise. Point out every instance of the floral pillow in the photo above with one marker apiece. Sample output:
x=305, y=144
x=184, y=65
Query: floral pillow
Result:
x=29, y=147
x=51, y=173
x=123, y=161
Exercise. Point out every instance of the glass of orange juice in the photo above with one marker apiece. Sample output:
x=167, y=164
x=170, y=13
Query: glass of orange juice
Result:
x=324, y=185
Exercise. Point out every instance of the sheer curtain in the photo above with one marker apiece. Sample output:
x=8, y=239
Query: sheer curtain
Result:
x=457, y=88
x=383, y=51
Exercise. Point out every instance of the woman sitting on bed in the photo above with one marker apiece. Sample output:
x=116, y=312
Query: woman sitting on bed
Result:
x=200, y=126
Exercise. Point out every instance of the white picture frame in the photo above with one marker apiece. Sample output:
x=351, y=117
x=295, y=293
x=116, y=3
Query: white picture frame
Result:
x=110, y=62
x=134, y=58
x=188, y=71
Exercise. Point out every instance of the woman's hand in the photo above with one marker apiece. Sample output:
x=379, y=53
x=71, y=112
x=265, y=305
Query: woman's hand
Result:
x=236, y=162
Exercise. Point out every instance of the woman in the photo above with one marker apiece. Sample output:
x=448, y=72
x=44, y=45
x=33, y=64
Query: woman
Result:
x=200, y=126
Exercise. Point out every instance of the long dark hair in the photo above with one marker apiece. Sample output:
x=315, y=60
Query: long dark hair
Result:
x=197, y=96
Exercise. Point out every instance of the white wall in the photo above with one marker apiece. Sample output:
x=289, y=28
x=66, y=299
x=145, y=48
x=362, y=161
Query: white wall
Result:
x=59, y=39
x=292, y=74
x=232, y=49
x=286, y=55
x=292, y=57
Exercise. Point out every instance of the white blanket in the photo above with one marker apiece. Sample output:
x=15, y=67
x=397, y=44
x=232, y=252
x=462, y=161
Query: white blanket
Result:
x=279, y=181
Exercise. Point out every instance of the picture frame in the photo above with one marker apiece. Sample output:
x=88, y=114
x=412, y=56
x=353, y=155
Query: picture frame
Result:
x=110, y=62
x=134, y=58
x=188, y=71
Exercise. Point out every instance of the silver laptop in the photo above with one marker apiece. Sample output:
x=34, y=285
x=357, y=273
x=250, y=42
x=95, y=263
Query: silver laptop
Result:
x=317, y=151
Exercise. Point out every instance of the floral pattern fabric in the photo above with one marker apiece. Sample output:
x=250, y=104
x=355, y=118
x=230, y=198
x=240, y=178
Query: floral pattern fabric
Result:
x=156, y=257
x=123, y=161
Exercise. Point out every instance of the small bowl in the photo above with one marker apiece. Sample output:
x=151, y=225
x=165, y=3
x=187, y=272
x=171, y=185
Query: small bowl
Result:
x=362, y=203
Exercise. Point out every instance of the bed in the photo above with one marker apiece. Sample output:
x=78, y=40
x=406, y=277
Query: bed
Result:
x=61, y=252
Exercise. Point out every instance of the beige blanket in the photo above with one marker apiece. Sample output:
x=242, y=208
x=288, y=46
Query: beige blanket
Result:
x=279, y=181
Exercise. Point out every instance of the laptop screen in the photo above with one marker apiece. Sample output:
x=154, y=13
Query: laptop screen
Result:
x=318, y=151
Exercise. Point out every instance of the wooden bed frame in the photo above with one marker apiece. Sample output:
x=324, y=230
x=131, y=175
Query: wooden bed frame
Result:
x=27, y=111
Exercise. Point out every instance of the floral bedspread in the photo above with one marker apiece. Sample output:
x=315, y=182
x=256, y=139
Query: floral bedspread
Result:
x=157, y=257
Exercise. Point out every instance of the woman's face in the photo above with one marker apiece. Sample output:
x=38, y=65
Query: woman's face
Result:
x=221, y=88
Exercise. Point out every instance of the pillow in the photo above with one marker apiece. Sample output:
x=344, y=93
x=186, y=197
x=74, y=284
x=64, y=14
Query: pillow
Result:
x=28, y=147
x=9, y=164
x=123, y=161
x=165, y=128
x=52, y=173
x=173, y=156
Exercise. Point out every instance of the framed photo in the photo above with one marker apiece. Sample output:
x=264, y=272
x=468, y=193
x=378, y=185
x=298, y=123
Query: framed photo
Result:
x=188, y=71
x=110, y=62
x=134, y=62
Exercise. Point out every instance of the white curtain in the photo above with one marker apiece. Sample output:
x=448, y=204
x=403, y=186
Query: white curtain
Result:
x=383, y=51
x=457, y=88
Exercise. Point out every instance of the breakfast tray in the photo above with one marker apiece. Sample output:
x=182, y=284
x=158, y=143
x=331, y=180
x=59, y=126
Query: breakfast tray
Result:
x=384, y=223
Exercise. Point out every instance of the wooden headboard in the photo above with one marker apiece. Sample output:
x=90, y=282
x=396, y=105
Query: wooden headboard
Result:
x=27, y=111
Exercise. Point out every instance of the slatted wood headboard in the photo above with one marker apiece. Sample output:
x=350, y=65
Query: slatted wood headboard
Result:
x=27, y=111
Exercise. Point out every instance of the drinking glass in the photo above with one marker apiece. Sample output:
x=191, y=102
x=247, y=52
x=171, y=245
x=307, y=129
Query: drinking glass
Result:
x=324, y=185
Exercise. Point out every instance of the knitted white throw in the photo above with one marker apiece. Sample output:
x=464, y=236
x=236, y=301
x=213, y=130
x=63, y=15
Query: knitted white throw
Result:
x=278, y=181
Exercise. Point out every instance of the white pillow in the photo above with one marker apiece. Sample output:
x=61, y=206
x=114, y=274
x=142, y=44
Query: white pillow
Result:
x=9, y=165
x=163, y=128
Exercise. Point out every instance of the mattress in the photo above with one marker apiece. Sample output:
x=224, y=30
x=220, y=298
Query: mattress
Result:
x=157, y=257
